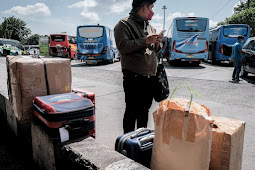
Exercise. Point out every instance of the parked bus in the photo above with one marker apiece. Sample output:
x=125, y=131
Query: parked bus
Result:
x=32, y=49
x=223, y=38
x=10, y=47
x=59, y=44
x=189, y=40
x=94, y=44
x=44, y=42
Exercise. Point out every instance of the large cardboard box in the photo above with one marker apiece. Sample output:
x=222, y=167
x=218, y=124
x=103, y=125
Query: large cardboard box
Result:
x=182, y=138
x=227, y=144
x=27, y=79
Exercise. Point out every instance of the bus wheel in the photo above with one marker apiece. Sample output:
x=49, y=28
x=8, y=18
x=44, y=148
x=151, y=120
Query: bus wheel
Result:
x=196, y=63
x=111, y=61
x=168, y=60
x=214, y=61
x=16, y=54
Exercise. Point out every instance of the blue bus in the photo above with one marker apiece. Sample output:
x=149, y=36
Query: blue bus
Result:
x=222, y=38
x=94, y=44
x=189, y=40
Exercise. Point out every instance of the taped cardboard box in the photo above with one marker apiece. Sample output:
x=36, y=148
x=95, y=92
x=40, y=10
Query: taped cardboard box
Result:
x=227, y=144
x=27, y=79
x=182, y=139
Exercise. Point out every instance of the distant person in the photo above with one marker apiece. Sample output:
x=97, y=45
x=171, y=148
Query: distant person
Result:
x=69, y=54
x=237, y=52
x=138, y=45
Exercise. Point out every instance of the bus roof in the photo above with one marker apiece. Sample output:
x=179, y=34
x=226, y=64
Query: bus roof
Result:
x=4, y=39
x=62, y=34
x=94, y=26
x=190, y=18
x=229, y=25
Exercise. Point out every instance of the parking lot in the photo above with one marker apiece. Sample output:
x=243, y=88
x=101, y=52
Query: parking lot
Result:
x=213, y=82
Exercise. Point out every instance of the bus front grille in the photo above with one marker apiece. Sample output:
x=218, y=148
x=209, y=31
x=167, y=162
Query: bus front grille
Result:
x=91, y=45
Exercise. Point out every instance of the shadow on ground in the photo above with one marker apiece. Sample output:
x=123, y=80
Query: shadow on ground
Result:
x=250, y=79
x=183, y=66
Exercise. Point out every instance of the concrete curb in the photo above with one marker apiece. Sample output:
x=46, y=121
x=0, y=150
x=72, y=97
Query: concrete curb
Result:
x=79, y=154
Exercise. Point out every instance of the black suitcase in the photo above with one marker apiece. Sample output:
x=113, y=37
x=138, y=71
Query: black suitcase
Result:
x=69, y=115
x=137, y=145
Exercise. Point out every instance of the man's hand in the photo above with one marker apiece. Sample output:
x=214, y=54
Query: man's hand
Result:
x=151, y=39
x=159, y=39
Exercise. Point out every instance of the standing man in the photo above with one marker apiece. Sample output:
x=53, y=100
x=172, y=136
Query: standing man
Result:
x=69, y=53
x=237, y=57
x=138, y=45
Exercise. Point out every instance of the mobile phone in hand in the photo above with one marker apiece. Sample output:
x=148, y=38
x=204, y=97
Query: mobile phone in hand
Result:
x=162, y=32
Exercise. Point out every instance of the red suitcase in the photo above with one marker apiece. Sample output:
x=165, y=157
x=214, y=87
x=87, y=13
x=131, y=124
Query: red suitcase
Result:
x=85, y=94
x=68, y=115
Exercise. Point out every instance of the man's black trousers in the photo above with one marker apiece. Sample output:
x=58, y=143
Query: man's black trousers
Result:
x=138, y=97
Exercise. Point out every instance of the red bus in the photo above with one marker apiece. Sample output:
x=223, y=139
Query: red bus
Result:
x=59, y=44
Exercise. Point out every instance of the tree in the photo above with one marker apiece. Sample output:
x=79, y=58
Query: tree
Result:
x=33, y=40
x=14, y=28
x=245, y=17
x=243, y=6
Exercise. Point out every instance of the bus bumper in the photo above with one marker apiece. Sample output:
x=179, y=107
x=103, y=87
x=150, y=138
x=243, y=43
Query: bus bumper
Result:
x=92, y=58
x=189, y=57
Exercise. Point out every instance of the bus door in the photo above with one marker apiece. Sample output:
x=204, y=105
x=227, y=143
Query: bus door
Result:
x=44, y=42
x=72, y=42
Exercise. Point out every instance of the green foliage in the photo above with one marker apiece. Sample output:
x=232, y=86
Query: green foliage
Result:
x=14, y=28
x=243, y=6
x=245, y=17
x=33, y=40
x=222, y=23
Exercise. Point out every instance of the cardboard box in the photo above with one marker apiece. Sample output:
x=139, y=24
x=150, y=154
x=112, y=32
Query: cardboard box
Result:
x=182, y=138
x=227, y=144
x=27, y=79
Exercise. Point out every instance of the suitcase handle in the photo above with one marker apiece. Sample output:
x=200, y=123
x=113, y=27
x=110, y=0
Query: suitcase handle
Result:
x=70, y=124
x=39, y=109
x=140, y=132
x=85, y=95
x=146, y=142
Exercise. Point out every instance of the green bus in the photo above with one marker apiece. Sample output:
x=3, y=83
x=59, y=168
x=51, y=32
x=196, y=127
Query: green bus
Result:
x=44, y=42
x=10, y=47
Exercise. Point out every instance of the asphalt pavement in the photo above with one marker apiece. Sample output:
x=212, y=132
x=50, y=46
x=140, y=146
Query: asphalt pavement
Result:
x=224, y=97
x=213, y=83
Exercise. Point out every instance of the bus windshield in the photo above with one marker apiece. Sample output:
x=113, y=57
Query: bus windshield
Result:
x=58, y=38
x=235, y=31
x=91, y=32
x=44, y=40
x=191, y=25
x=10, y=42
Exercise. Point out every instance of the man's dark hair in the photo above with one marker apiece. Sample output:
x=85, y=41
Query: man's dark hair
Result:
x=138, y=4
x=240, y=37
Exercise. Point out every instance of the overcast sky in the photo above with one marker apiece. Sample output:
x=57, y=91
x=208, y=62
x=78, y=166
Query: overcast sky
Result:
x=54, y=16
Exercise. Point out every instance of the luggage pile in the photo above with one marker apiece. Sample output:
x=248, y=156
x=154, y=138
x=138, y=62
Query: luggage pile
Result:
x=40, y=91
x=186, y=137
